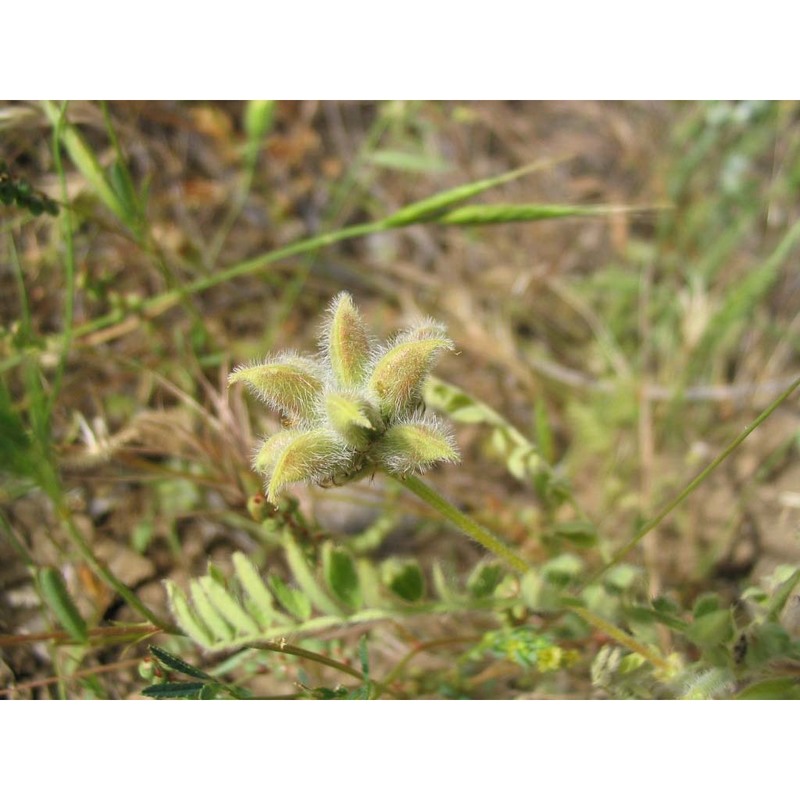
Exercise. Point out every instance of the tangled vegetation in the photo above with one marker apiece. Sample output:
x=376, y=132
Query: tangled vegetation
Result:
x=615, y=425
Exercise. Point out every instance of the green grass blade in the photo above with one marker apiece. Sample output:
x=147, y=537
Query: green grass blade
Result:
x=259, y=117
x=17, y=455
x=58, y=600
x=433, y=207
x=508, y=212
x=121, y=181
x=744, y=296
x=692, y=485
x=407, y=162
x=84, y=159
x=69, y=268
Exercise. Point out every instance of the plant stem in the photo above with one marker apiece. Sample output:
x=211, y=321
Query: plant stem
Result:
x=693, y=484
x=107, y=576
x=155, y=306
x=398, y=669
x=102, y=635
x=82, y=673
x=500, y=549
x=619, y=636
x=476, y=532
x=301, y=652
x=69, y=266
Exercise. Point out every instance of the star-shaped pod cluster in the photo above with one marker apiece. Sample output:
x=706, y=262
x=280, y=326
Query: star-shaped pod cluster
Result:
x=354, y=409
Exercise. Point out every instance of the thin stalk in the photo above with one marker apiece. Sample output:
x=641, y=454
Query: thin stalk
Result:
x=69, y=263
x=97, y=636
x=484, y=537
x=155, y=306
x=83, y=673
x=301, y=652
x=692, y=485
x=410, y=215
x=491, y=542
x=256, y=137
x=401, y=665
x=16, y=543
x=476, y=532
x=108, y=577
x=619, y=636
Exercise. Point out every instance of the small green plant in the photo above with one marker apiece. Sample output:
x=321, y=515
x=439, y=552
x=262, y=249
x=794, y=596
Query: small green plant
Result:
x=604, y=391
x=358, y=409
x=354, y=410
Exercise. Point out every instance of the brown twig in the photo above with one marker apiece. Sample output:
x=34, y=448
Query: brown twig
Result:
x=83, y=673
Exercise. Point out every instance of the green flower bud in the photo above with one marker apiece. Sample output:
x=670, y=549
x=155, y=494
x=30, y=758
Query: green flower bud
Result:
x=256, y=507
x=352, y=409
x=400, y=373
x=271, y=448
x=424, y=329
x=353, y=418
x=309, y=456
x=414, y=446
x=289, y=384
x=148, y=669
x=348, y=342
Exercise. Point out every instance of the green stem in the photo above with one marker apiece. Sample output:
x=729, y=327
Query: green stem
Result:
x=658, y=518
x=107, y=576
x=476, y=532
x=619, y=636
x=420, y=212
x=156, y=306
x=69, y=264
x=500, y=549
x=310, y=655
x=400, y=667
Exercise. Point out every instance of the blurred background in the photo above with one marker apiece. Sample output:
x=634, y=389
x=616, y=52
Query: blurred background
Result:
x=629, y=345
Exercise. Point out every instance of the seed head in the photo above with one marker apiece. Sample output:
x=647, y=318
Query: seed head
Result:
x=354, y=409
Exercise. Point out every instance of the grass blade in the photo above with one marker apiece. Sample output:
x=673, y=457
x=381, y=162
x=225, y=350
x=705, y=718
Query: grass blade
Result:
x=655, y=521
x=433, y=207
x=86, y=162
x=508, y=212
x=58, y=600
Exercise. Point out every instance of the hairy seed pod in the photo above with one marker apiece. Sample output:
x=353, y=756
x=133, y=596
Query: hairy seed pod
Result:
x=399, y=373
x=289, y=384
x=348, y=342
